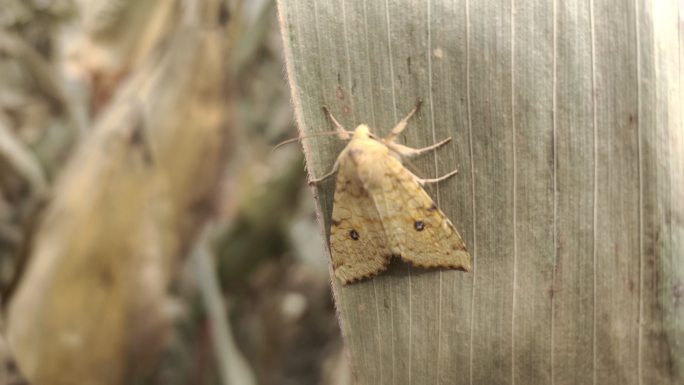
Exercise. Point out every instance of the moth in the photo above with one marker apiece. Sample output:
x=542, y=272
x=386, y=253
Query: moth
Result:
x=380, y=210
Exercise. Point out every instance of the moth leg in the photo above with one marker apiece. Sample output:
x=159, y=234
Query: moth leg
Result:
x=341, y=131
x=332, y=172
x=408, y=151
x=422, y=181
x=403, y=122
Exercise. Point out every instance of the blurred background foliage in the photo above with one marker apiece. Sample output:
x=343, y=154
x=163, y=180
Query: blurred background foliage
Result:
x=247, y=294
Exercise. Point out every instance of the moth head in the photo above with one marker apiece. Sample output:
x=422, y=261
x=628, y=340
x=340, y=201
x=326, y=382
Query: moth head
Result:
x=361, y=132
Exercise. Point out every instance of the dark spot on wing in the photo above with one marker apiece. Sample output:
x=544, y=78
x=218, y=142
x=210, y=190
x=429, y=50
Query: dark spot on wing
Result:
x=354, y=235
x=419, y=225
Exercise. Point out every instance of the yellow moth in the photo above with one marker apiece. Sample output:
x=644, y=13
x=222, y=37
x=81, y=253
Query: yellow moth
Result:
x=381, y=211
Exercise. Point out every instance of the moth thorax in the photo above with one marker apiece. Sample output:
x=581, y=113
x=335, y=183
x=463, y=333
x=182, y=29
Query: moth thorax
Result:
x=371, y=176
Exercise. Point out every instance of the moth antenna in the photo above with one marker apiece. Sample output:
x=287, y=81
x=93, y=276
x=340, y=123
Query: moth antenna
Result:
x=292, y=140
x=284, y=142
x=343, y=133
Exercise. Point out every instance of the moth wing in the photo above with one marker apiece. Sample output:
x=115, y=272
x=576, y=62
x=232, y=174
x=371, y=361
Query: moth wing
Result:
x=358, y=243
x=419, y=231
